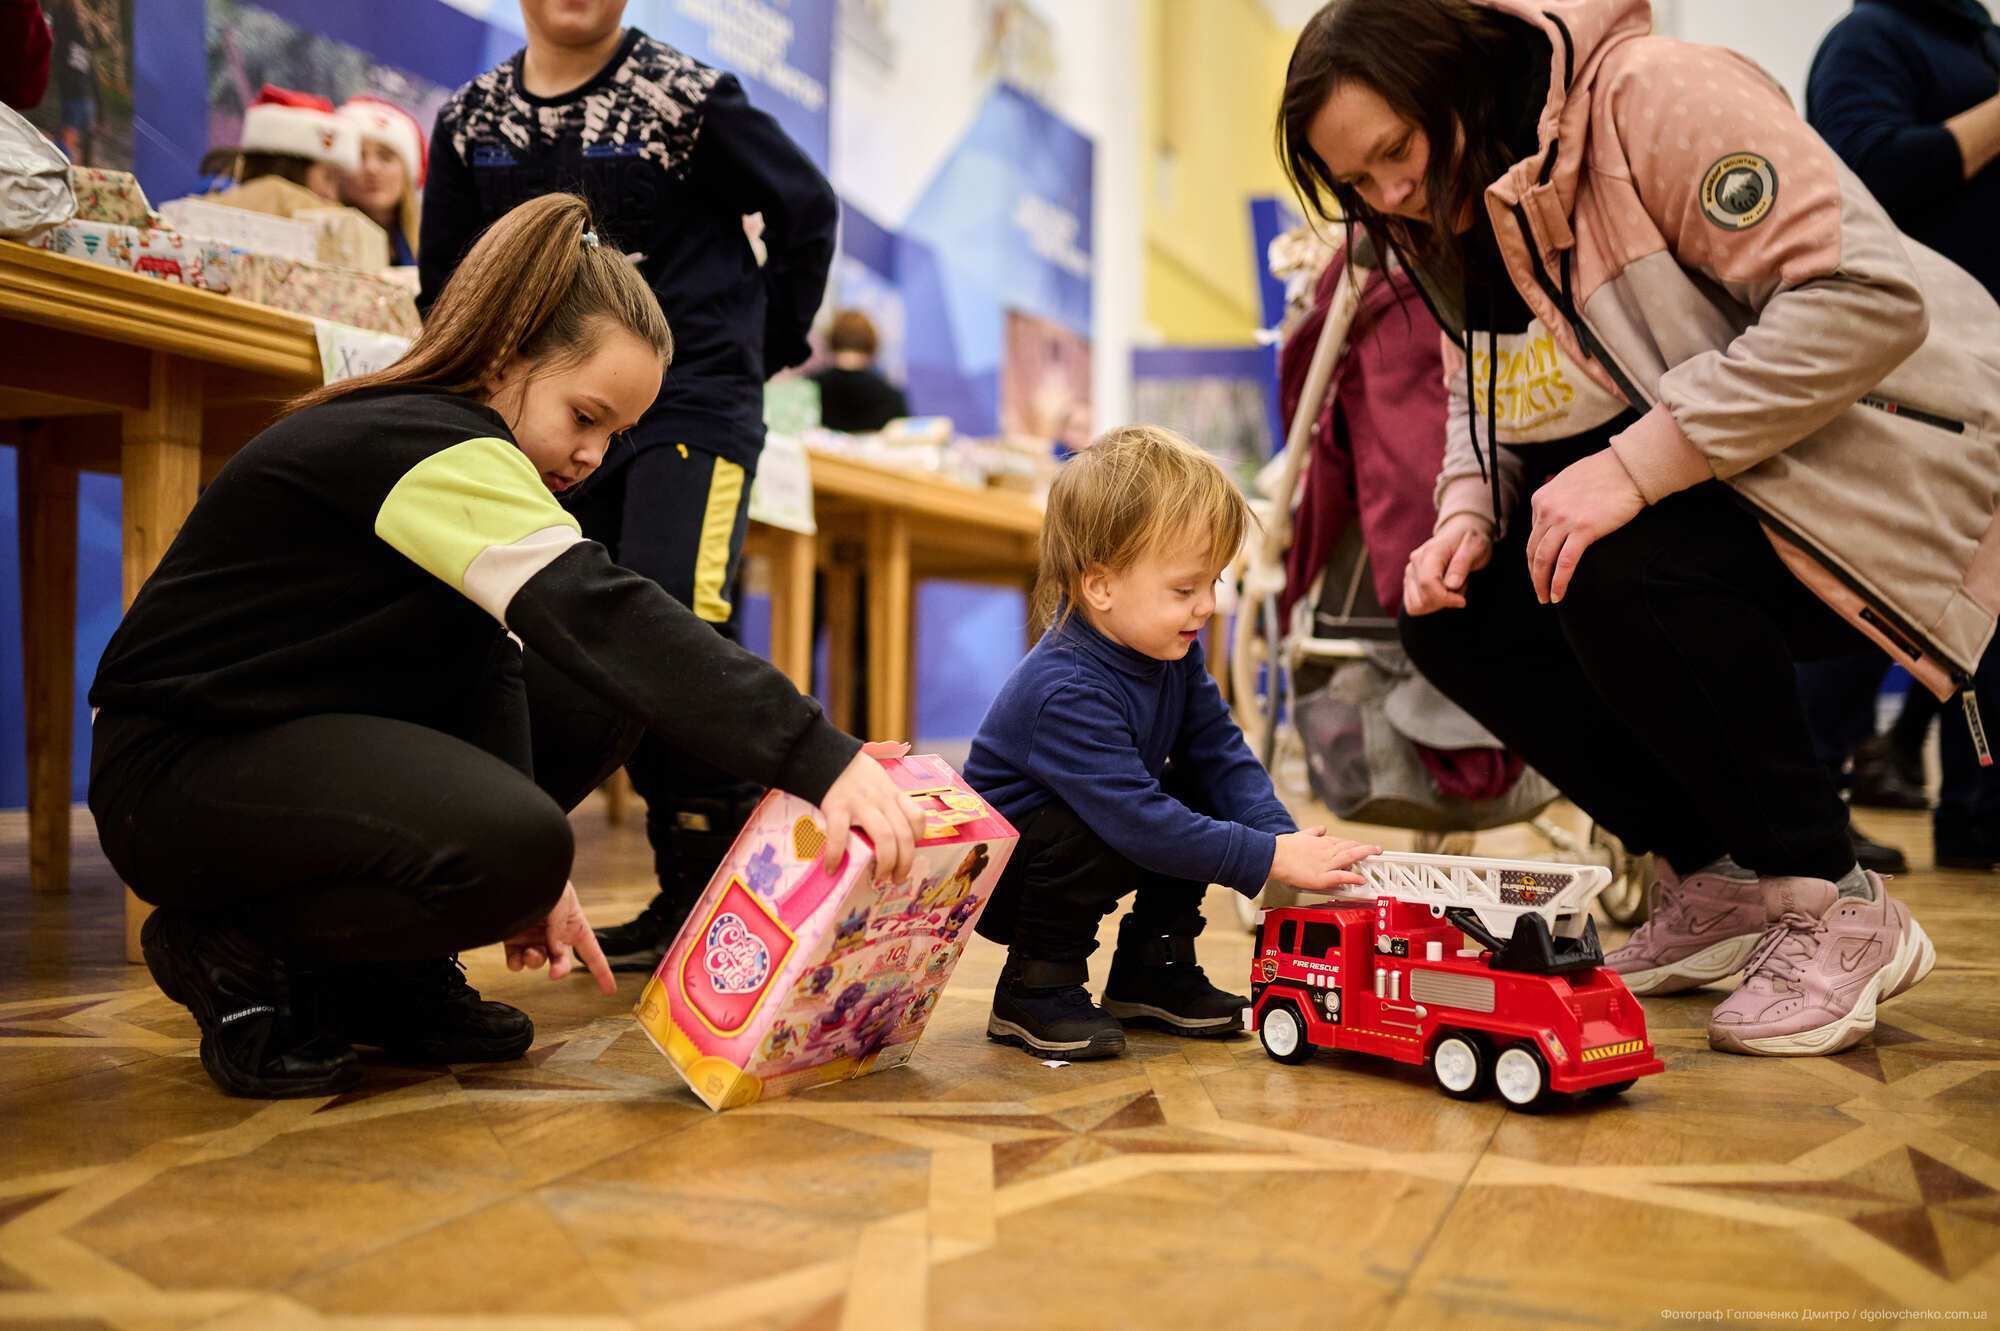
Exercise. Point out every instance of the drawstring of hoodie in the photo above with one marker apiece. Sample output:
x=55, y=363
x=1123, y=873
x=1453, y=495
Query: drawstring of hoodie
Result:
x=1489, y=470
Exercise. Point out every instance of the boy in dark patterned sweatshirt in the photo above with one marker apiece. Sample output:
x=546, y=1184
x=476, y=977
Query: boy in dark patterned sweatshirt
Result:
x=672, y=158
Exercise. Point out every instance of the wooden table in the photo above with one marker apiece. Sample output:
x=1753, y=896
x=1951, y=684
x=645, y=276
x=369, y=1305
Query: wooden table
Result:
x=102, y=370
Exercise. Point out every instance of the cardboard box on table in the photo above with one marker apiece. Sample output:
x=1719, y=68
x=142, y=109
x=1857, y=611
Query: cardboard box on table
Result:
x=318, y=292
x=240, y=228
x=110, y=196
x=787, y=976
x=168, y=255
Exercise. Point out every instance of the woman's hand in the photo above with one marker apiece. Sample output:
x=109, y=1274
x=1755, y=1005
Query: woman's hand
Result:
x=866, y=798
x=559, y=940
x=1584, y=502
x=1434, y=579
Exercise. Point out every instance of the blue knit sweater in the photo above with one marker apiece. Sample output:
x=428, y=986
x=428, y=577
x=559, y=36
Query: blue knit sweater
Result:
x=1094, y=724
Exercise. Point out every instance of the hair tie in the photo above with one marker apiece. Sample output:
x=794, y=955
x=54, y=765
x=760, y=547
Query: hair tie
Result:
x=590, y=240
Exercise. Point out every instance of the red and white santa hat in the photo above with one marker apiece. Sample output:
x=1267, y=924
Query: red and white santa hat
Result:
x=299, y=124
x=390, y=125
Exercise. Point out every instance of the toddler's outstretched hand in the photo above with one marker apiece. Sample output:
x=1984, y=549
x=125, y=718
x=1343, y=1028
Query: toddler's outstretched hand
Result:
x=1312, y=859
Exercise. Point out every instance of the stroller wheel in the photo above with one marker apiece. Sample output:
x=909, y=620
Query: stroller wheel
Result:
x=1624, y=901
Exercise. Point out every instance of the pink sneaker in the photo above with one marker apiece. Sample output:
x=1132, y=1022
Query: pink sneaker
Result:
x=1700, y=929
x=1817, y=975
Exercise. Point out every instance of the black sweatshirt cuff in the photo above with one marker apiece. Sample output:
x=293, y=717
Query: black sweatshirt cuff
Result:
x=817, y=760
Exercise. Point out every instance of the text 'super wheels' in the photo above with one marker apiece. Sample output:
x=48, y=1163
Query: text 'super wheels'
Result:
x=1283, y=1032
x=1459, y=1063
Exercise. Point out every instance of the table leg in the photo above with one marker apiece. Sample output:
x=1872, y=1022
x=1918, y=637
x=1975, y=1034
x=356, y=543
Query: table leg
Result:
x=843, y=632
x=793, y=555
x=160, y=463
x=889, y=636
x=46, y=490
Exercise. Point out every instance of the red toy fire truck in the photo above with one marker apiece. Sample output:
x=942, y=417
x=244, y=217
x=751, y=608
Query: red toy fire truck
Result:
x=1531, y=1011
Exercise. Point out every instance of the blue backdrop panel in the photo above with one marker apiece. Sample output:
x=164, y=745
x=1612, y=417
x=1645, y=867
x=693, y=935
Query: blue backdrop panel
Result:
x=97, y=577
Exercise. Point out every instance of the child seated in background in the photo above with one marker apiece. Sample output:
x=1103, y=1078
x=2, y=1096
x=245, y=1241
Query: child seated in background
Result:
x=1111, y=751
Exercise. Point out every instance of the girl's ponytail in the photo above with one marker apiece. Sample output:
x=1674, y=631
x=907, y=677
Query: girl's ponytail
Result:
x=537, y=283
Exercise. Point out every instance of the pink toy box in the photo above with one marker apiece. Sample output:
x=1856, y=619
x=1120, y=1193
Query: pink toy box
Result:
x=787, y=976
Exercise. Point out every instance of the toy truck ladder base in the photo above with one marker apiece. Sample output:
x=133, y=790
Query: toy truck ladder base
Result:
x=1531, y=915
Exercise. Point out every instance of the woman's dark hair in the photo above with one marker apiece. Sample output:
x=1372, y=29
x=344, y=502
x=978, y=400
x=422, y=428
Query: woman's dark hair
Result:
x=1440, y=65
x=537, y=284
x=250, y=166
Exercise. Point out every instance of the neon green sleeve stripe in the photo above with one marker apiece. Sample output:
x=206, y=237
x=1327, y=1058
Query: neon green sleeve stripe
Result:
x=477, y=517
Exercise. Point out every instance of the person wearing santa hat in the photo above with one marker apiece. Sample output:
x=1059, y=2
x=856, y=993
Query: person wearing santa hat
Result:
x=291, y=156
x=386, y=183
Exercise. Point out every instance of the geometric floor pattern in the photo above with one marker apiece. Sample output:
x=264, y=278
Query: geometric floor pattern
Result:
x=1188, y=1184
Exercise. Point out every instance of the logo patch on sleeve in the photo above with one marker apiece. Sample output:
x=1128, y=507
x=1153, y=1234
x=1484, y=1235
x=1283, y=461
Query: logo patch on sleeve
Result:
x=1739, y=191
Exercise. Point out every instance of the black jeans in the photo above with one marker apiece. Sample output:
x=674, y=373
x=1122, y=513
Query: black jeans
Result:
x=678, y=515
x=1661, y=694
x=344, y=838
x=1063, y=880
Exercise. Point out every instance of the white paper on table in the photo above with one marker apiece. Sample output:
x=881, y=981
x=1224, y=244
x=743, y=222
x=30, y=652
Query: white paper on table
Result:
x=346, y=351
x=781, y=495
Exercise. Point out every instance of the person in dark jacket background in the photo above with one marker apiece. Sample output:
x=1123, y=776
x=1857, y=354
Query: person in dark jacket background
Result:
x=673, y=158
x=853, y=394
x=1907, y=92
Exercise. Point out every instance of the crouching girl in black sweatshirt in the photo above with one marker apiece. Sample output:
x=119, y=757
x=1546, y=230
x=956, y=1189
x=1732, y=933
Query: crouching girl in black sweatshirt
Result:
x=342, y=723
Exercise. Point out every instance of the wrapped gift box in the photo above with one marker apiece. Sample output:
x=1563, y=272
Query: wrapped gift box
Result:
x=788, y=976
x=346, y=238
x=154, y=253
x=318, y=292
x=109, y=196
x=239, y=228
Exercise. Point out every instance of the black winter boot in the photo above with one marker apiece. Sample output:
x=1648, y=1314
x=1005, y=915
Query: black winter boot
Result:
x=1156, y=981
x=252, y=1042
x=425, y=1012
x=1042, y=1007
x=1887, y=776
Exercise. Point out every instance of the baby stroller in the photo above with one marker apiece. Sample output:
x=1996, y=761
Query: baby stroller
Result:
x=1323, y=691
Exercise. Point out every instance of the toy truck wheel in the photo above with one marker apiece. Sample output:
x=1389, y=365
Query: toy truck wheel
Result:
x=1283, y=1032
x=1459, y=1064
x=1521, y=1077
x=1615, y=1088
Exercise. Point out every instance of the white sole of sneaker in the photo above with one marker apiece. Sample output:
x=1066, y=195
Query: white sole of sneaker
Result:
x=1147, y=1012
x=1107, y=1045
x=1922, y=958
x=1914, y=957
x=1718, y=961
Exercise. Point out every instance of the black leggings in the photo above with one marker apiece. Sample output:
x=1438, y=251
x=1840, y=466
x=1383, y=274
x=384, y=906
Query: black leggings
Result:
x=1660, y=695
x=343, y=838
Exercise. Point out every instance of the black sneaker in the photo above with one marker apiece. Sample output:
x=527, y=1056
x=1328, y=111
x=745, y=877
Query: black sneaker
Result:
x=1156, y=981
x=640, y=944
x=425, y=1012
x=1887, y=777
x=252, y=1044
x=1042, y=1007
x=1874, y=855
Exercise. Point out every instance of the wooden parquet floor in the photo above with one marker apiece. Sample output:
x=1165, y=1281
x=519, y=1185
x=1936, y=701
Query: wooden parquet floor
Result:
x=1189, y=1184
